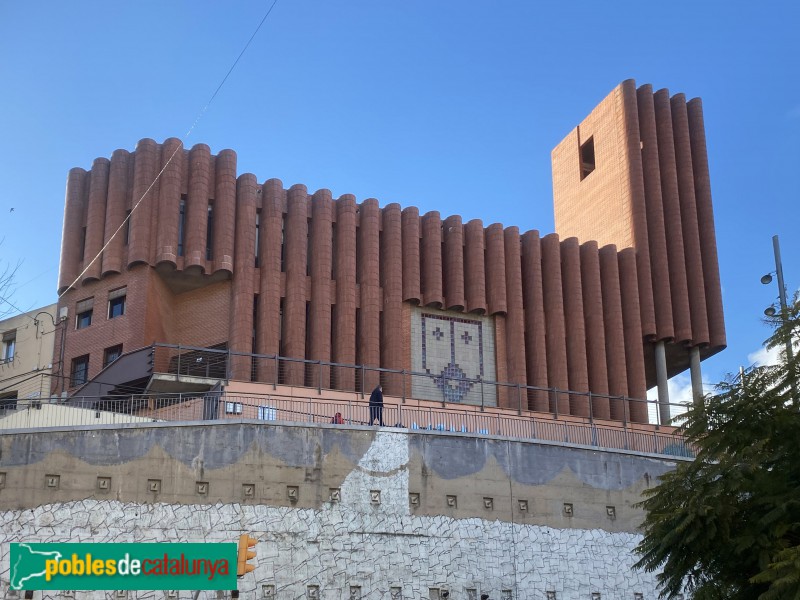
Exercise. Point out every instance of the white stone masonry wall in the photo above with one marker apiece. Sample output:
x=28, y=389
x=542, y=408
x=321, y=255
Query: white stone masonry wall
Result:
x=359, y=547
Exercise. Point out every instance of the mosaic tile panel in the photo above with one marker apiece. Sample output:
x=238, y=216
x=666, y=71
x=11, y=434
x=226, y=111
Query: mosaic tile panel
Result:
x=455, y=352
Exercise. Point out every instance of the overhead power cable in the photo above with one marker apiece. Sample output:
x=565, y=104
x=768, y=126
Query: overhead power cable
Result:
x=177, y=149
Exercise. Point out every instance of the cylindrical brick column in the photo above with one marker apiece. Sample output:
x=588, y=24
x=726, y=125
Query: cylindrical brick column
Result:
x=705, y=218
x=74, y=209
x=369, y=342
x=691, y=230
x=116, y=208
x=344, y=316
x=95, y=219
x=613, y=330
x=225, y=219
x=515, y=319
x=145, y=168
x=679, y=290
x=659, y=268
x=268, y=330
x=411, y=266
x=533, y=301
x=634, y=343
x=295, y=248
x=169, y=202
x=577, y=369
x=393, y=335
x=638, y=208
x=495, y=269
x=453, y=234
x=197, y=207
x=474, y=270
x=432, y=260
x=554, y=321
x=595, y=330
x=242, y=290
x=319, y=338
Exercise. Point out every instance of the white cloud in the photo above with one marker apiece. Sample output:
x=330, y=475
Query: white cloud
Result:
x=763, y=357
x=680, y=393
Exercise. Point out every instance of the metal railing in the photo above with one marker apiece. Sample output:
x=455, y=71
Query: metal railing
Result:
x=221, y=363
x=221, y=406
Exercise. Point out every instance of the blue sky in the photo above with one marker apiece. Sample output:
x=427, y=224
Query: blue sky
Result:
x=448, y=106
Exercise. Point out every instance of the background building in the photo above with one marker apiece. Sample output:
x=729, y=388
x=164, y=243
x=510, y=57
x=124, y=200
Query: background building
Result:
x=26, y=356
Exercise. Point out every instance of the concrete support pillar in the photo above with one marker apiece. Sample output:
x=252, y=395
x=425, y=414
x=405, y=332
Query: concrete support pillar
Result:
x=661, y=378
x=697, y=375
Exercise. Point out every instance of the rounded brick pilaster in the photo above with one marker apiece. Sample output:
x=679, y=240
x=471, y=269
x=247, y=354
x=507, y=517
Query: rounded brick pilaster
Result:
x=495, y=269
x=705, y=218
x=392, y=334
x=555, y=326
x=242, y=290
x=676, y=257
x=144, y=201
x=369, y=351
x=294, y=306
x=659, y=267
x=411, y=267
x=691, y=230
x=197, y=207
x=268, y=333
x=613, y=330
x=453, y=269
x=595, y=330
x=575, y=327
x=225, y=218
x=432, y=260
x=118, y=187
x=169, y=203
x=321, y=248
x=95, y=219
x=634, y=341
x=344, y=316
x=474, y=269
x=533, y=301
x=74, y=208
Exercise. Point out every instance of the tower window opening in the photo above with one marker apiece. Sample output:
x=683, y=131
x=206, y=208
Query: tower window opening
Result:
x=587, y=157
x=181, y=224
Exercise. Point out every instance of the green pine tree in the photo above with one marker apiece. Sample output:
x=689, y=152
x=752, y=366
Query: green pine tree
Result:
x=727, y=525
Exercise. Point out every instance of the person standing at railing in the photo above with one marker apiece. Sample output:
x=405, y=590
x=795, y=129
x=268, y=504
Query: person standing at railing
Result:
x=376, y=406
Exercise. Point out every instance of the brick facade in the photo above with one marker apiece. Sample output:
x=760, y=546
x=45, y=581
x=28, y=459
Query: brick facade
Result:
x=212, y=258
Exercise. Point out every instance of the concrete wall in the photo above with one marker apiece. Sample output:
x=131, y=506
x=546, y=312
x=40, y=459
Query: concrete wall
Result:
x=339, y=506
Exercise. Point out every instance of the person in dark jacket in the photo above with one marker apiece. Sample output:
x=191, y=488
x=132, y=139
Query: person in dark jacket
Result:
x=376, y=406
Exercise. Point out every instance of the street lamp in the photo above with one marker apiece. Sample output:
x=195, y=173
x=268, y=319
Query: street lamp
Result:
x=770, y=312
x=767, y=279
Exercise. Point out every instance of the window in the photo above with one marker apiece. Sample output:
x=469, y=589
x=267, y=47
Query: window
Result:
x=233, y=408
x=80, y=370
x=8, y=402
x=210, y=232
x=181, y=224
x=9, y=345
x=258, y=235
x=111, y=354
x=127, y=227
x=83, y=312
x=267, y=413
x=116, y=302
x=587, y=157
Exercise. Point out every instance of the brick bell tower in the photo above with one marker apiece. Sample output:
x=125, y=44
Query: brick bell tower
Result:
x=634, y=174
